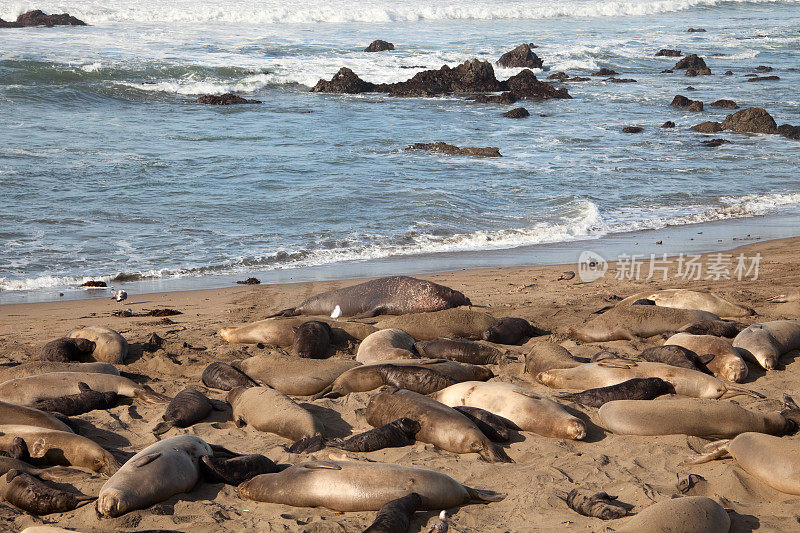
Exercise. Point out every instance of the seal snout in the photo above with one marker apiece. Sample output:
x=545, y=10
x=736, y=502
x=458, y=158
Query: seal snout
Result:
x=770, y=363
x=225, y=333
x=576, y=430
x=110, y=505
x=544, y=378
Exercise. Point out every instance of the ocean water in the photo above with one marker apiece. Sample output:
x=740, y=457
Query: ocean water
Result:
x=108, y=170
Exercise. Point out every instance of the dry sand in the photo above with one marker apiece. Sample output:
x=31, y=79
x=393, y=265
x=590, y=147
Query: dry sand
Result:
x=639, y=470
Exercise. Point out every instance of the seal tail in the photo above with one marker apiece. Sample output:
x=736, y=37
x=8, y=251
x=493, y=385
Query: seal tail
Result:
x=148, y=396
x=323, y=393
x=161, y=428
x=738, y=391
x=712, y=451
x=290, y=311
x=493, y=453
x=484, y=496
x=83, y=500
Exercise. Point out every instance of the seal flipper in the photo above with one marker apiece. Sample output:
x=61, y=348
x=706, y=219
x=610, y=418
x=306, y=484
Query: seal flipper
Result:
x=149, y=396
x=147, y=459
x=714, y=450
x=289, y=311
x=737, y=391
x=322, y=465
x=484, y=496
x=162, y=427
x=83, y=387
x=310, y=444
x=218, y=405
x=492, y=453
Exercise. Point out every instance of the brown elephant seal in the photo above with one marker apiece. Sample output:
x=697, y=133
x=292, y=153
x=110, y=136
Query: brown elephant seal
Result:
x=76, y=404
x=461, y=350
x=511, y=330
x=31, y=389
x=359, y=486
x=414, y=378
x=395, y=516
x=395, y=295
x=726, y=363
x=295, y=376
x=545, y=355
x=595, y=504
x=605, y=373
x=34, y=368
x=765, y=343
x=110, y=346
x=635, y=322
x=222, y=376
x=386, y=345
x=235, y=470
x=19, y=449
x=717, y=328
x=67, y=350
x=188, y=407
x=395, y=434
x=633, y=389
x=271, y=411
x=688, y=416
x=312, y=339
x=365, y=378
x=689, y=299
x=687, y=514
x=34, y=496
x=670, y=354
x=26, y=416
x=280, y=331
x=53, y=473
x=55, y=447
x=158, y=472
x=490, y=424
x=525, y=409
x=457, y=323
x=440, y=425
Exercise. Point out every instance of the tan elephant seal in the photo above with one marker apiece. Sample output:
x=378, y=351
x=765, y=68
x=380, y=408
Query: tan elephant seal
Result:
x=386, y=345
x=637, y=321
x=280, y=331
x=689, y=299
x=688, y=514
x=454, y=323
x=271, y=411
x=31, y=389
x=688, y=416
x=295, y=376
x=545, y=355
x=109, y=346
x=34, y=368
x=359, y=486
x=26, y=416
x=765, y=343
x=158, y=472
x=53, y=473
x=525, y=409
x=727, y=363
x=440, y=425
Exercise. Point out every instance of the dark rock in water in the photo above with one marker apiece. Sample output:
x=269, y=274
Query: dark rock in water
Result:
x=764, y=78
x=728, y=73
x=503, y=98
x=708, y=127
x=668, y=52
x=521, y=56
x=691, y=72
x=632, y=129
x=751, y=75
x=667, y=71
x=525, y=85
x=713, y=143
x=449, y=149
x=519, y=112
x=469, y=77
x=379, y=46
x=789, y=131
x=763, y=68
x=621, y=80
x=249, y=281
x=690, y=88
x=560, y=76
x=224, y=99
x=684, y=103
x=39, y=18
x=696, y=30
x=578, y=78
x=605, y=72
x=668, y=124
x=691, y=61
x=725, y=104
x=750, y=120
x=344, y=82
x=93, y=283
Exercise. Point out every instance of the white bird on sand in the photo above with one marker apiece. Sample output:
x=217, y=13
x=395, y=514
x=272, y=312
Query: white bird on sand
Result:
x=440, y=525
x=337, y=312
x=119, y=295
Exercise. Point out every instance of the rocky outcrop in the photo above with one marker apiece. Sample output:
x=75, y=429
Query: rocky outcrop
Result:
x=525, y=85
x=605, y=72
x=519, y=112
x=621, y=80
x=249, y=281
x=789, y=131
x=379, y=46
x=449, y=149
x=750, y=120
x=725, y=104
x=763, y=68
x=667, y=52
x=344, y=82
x=696, y=30
x=694, y=66
x=560, y=76
x=684, y=103
x=668, y=124
x=632, y=129
x=39, y=18
x=708, y=127
x=93, y=284
x=764, y=78
x=713, y=143
x=579, y=78
x=505, y=98
x=521, y=56
x=224, y=99
x=728, y=73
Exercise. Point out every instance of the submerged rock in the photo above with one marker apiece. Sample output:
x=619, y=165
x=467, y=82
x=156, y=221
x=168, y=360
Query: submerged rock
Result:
x=764, y=78
x=632, y=129
x=725, y=104
x=707, y=127
x=560, y=76
x=667, y=52
x=713, y=143
x=605, y=72
x=224, y=99
x=449, y=149
x=694, y=64
x=343, y=82
x=668, y=124
x=521, y=56
x=519, y=112
x=696, y=30
x=525, y=85
x=684, y=103
x=39, y=18
x=379, y=46
x=763, y=68
x=750, y=120
x=789, y=131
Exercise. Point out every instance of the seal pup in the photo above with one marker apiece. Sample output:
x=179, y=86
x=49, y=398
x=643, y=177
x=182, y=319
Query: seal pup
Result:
x=726, y=363
x=440, y=525
x=386, y=345
x=222, y=376
x=670, y=354
x=765, y=343
x=489, y=423
x=595, y=504
x=188, y=407
x=633, y=389
x=415, y=378
x=312, y=339
x=109, y=345
x=295, y=376
x=461, y=350
x=158, y=472
x=395, y=516
x=76, y=404
x=690, y=299
x=545, y=355
x=395, y=434
x=360, y=486
x=271, y=411
x=718, y=328
x=31, y=389
x=235, y=470
x=440, y=425
x=636, y=322
x=687, y=514
x=34, y=368
x=67, y=350
x=34, y=496
x=280, y=331
x=457, y=323
x=525, y=409
x=511, y=330
x=395, y=295
x=27, y=416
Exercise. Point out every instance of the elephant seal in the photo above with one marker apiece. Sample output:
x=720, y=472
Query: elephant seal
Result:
x=66, y=350
x=595, y=504
x=525, y=409
x=765, y=343
x=687, y=514
x=36, y=497
x=26, y=416
x=235, y=470
x=34, y=368
x=110, y=346
x=440, y=425
x=312, y=339
x=359, y=486
x=386, y=345
x=633, y=389
x=60, y=448
x=510, y=330
x=670, y=354
x=222, y=376
x=158, y=472
x=395, y=516
x=726, y=362
x=454, y=323
x=188, y=407
x=689, y=299
x=280, y=331
x=365, y=378
x=76, y=404
x=52, y=473
x=545, y=355
x=461, y=350
x=717, y=328
x=19, y=449
x=637, y=321
x=688, y=416
x=490, y=424
x=395, y=295
x=414, y=378
x=271, y=411
x=295, y=376
x=31, y=389
x=789, y=296
x=395, y=434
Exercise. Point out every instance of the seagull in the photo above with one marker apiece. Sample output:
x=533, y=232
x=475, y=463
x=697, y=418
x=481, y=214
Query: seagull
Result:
x=440, y=525
x=337, y=312
x=119, y=295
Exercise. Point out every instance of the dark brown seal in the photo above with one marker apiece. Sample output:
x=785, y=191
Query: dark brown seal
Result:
x=395, y=516
x=633, y=389
x=222, y=376
x=415, y=378
x=235, y=470
x=489, y=423
x=77, y=404
x=511, y=330
x=671, y=354
x=395, y=434
x=312, y=339
x=66, y=350
x=718, y=328
x=19, y=450
x=597, y=504
x=188, y=407
x=36, y=497
x=461, y=350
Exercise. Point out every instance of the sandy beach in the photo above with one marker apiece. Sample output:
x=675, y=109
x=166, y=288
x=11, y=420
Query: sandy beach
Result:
x=639, y=470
